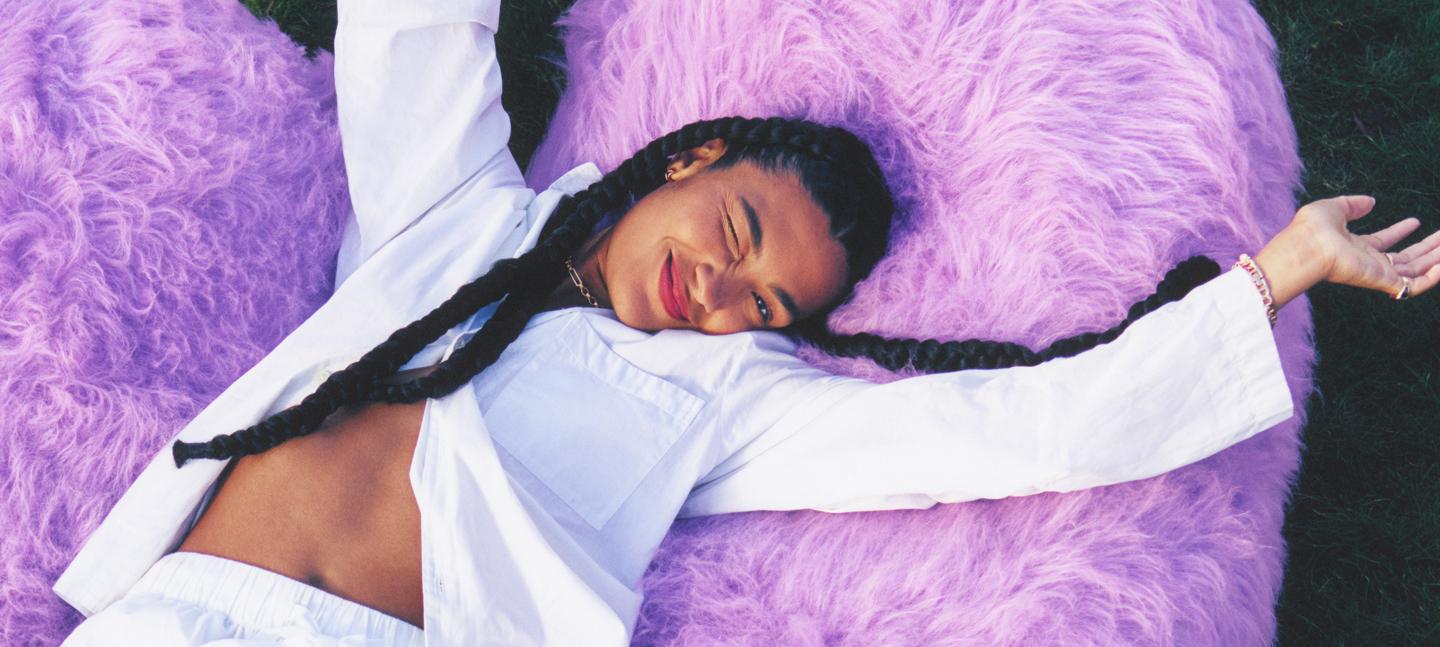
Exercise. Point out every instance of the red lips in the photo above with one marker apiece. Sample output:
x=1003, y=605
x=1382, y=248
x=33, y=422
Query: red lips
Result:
x=671, y=296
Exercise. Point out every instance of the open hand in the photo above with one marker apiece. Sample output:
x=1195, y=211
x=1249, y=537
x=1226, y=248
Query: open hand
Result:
x=1360, y=259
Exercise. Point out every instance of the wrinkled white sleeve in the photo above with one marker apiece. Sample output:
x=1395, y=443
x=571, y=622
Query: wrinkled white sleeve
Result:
x=1182, y=383
x=418, y=92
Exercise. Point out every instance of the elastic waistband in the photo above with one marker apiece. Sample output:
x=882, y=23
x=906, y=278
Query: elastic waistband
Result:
x=258, y=599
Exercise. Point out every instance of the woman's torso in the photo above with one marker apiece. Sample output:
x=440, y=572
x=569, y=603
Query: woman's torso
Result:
x=333, y=509
x=599, y=432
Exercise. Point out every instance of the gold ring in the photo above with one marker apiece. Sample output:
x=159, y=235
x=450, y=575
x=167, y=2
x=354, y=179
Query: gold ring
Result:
x=1404, y=288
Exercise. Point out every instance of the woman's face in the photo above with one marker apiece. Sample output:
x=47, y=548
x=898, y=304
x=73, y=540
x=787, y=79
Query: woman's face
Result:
x=719, y=251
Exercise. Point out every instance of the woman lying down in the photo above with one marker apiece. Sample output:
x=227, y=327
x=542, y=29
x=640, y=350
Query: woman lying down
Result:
x=482, y=437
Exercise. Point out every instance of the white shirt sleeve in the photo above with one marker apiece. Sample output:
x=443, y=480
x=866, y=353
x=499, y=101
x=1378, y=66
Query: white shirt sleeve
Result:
x=1180, y=384
x=418, y=92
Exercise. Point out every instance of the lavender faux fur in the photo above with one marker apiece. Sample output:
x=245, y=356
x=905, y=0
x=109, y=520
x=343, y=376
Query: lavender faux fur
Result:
x=170, y=185
x=1053, y=158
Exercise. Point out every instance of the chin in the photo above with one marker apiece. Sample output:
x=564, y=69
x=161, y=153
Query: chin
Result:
x=638, y=320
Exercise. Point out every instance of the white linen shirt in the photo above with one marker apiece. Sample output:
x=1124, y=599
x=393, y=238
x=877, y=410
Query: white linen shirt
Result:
x=547, y=483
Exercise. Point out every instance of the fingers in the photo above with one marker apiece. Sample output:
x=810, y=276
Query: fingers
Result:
x=1418, y=265
x=1420, y=284
x=1356, y=206
x=1387, y=237
x=1352, y=207
x=1418, y=257
x=1421, y=263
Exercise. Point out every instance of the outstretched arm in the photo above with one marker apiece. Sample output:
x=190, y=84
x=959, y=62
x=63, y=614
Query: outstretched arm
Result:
x=418, y=91
x=1180, y=384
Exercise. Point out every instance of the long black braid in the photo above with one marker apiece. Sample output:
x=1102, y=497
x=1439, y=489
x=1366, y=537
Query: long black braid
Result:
x=932, y=356
x=836, y=167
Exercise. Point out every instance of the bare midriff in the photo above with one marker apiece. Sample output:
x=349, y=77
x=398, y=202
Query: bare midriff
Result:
x=333, y=509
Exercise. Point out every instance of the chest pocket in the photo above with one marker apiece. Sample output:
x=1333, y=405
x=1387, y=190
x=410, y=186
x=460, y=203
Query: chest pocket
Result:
x=585, y=422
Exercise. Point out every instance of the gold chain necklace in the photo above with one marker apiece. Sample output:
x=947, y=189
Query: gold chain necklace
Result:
x=575, y=278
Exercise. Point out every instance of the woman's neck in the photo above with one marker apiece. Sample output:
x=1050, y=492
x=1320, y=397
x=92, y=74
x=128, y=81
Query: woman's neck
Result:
x=587, y=263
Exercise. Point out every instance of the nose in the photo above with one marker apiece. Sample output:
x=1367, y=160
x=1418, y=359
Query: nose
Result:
x=713, y=288
x=707, y=286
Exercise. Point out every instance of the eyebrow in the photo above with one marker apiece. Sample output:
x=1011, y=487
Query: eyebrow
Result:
x=756, y=235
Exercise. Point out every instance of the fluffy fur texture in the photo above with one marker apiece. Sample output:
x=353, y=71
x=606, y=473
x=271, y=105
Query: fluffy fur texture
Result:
x=1052, y=159
x=171, y=191
x=168, y=171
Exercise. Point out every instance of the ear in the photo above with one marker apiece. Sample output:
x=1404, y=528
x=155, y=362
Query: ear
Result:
x=689, y=162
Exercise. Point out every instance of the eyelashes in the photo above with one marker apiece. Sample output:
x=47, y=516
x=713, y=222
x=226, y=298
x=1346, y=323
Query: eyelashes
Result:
x=760, y=305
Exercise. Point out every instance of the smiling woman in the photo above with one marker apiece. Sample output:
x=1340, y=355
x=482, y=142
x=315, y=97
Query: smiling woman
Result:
x=496, y=466
x=699, y=254
x=847, y=205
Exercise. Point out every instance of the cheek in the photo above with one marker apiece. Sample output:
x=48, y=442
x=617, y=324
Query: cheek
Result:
x=728, y=322
x=629, y=275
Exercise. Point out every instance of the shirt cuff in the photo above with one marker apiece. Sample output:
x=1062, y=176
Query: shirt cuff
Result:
x=1260, y=388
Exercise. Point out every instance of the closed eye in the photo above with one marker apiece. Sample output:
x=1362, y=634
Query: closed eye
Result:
x=730, y=224
x=760, y=305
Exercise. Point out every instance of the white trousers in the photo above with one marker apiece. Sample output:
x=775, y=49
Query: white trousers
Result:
x=193, y=599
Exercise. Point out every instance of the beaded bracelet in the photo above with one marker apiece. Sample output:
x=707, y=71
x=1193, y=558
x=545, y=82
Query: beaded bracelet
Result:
x=1260, y=284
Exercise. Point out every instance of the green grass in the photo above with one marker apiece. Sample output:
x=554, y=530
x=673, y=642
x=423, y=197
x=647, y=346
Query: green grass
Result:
x=1363, y=83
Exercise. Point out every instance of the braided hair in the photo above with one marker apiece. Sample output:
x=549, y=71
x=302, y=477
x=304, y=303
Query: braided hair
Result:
x=836, y=168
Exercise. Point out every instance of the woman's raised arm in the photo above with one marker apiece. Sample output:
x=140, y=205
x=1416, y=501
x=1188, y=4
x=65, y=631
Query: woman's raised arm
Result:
x=418, y=88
